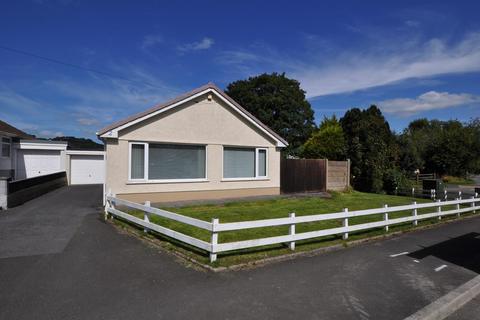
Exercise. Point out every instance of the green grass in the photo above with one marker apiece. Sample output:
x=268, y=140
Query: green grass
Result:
x=277, y=208
x=458, y=180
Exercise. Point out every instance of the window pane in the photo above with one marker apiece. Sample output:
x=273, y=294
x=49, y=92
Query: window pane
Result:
x=6, y=140
x=262, y=163
x=138, y=161
x=238, y=163
x=176, y=161
x=5, y=150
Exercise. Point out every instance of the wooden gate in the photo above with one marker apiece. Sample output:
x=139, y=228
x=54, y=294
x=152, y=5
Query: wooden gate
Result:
x=303, y=175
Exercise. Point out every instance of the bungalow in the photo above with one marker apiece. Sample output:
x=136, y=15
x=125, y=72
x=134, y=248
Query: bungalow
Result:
x=201, y=145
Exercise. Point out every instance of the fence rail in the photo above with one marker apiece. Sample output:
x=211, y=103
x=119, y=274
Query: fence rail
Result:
x=215, y=227
x=434, y=194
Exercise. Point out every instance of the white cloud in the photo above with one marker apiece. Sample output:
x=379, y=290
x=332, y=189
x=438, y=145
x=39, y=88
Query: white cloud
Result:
x=382, y=60
x=82, y=105
x=50, y=134
x=431, y=100
x=151, y=40
x=88, y=121
x=356, y=71
x=234, y=57
x=412, y=23
x=14, y=100
x=203, y=44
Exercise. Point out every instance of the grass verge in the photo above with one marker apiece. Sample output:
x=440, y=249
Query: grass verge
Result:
x=276, y=208
x=457, y=180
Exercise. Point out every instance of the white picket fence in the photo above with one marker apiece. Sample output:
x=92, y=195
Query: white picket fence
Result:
x=215, y=227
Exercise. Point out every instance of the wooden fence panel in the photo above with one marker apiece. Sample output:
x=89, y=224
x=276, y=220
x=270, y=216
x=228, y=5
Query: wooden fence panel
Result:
x=303, y=175
x=338, y=175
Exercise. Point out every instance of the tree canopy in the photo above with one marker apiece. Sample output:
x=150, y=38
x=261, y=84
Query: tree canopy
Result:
x=370, y=147
x=327, y=142
x=443, y=147
x=280, y=103
x=381, y=160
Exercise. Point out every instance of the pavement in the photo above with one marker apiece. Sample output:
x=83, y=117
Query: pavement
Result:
x=59, y=260
x=470, y=311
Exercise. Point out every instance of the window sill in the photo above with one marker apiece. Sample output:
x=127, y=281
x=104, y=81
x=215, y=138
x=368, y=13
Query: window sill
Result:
x=166, y=181
x=244, y=179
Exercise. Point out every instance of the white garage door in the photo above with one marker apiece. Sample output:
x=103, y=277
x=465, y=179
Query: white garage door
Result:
x=87, y=169
x=32, y=163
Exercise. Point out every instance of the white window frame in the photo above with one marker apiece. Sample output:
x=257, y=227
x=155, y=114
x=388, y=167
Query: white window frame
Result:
x=257, y=152
x=145, y=162
x=9, y=143
x=145, y=170
x=257, y=177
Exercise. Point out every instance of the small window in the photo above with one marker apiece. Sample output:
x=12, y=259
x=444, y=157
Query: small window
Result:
x=262, y=162
x=137, y=162
x=5, y=150
x=241, y=163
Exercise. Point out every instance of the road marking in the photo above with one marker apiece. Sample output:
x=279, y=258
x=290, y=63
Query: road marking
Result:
x=443, y=266
x=416, y=261
x=399, y=254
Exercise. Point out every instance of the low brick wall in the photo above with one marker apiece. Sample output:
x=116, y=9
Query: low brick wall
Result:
x=338, y=175
x=21, y=191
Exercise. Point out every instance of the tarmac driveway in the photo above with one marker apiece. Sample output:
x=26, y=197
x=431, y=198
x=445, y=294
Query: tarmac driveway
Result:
x=59, y=260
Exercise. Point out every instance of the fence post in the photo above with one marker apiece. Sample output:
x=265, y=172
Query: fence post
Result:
x=459, y=194
x=413, y=192
x=458, y=207
x=107, y=205
x=385, y=218
x=214, y=241
x=439, y=209
x=112, y=205
x=415, y=213
x=326, y=174
x=348, y=172
x=292, y=230
x=345, y=224
x=145, y=216
x=445, y=192
x=473, y=203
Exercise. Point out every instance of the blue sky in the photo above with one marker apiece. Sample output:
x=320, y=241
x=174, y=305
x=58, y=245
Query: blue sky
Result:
x=412, y=59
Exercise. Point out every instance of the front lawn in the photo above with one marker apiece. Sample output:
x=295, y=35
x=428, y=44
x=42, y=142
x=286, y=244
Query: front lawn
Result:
x=457, y=180
x=277, y=208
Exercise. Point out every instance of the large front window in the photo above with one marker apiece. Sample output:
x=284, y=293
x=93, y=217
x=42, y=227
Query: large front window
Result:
x=152, y=161
x=244, y=163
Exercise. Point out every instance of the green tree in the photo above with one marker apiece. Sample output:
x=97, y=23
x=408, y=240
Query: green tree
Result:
x=442, y=147
x=280, y=103
x=327, y=142
x=371, y=147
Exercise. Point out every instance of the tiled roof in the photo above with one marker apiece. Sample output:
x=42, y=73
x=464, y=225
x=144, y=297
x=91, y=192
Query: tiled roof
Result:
x=11, y=130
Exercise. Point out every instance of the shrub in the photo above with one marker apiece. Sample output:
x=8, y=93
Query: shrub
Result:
x=395, y=178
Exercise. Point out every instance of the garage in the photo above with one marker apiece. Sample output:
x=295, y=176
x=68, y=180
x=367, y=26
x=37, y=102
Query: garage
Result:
x=38, y=158
x=86, y=167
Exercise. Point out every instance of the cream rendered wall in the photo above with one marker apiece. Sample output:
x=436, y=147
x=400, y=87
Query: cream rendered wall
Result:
x=202, y=122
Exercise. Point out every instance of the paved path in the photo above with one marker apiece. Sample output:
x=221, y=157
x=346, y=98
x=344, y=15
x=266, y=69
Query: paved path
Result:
x=470, y=311
x=59, y=260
